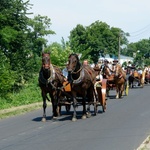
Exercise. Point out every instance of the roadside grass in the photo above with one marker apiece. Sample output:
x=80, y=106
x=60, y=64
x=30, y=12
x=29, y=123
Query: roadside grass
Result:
x=5, y=113
x=29, y=95
x=145, y=145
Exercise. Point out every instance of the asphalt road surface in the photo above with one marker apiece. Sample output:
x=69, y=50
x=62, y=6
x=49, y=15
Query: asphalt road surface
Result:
x=124, y=126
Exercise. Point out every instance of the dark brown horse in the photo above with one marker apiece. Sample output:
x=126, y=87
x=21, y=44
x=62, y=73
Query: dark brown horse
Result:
x=50, y=78
x=82, y=79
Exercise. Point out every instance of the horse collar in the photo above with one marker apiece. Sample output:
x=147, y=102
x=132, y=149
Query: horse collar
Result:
x=79, y=80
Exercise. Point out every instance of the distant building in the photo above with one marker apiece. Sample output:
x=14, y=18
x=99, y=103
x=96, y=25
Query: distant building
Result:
x=123, y=58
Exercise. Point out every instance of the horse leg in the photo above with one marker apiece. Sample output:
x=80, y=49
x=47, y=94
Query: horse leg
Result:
x=84, y=108
x=117, y=92
x=125, y=87
x=55, y=115
x=121, y=90
x=44, y=107
x=74, y=118
x=92, y=97
x=58, y=110
x=131, y=79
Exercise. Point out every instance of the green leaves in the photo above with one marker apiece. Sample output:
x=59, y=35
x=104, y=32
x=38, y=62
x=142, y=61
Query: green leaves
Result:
x=59, y=55
x=93, y=39
x=8, y=34
x=7, y=77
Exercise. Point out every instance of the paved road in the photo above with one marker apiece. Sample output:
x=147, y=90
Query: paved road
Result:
x=124, y=126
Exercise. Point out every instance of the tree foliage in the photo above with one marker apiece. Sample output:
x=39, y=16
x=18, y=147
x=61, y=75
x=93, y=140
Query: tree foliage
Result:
x=96, y=38
x=59, y=54
x=7, y=76
x=140, y=51
x=21, y=40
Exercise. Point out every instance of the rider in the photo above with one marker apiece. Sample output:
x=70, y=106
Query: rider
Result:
x=140, y=71
x=105, y=64
x=85, y=62
x=115, y=62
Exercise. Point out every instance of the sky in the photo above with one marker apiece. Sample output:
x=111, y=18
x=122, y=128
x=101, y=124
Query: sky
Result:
x=132, y=16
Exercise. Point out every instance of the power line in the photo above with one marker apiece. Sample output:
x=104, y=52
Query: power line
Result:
x=140, y=32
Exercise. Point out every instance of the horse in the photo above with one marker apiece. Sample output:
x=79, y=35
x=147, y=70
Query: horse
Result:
x=147, y=75
x=82, y=79
x=117, y=78
x=50, y=79
x=138, y=78
x=120, y=80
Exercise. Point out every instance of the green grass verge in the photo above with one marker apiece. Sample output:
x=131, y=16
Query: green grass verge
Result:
x=27, y=99
x=29, y=94
x=5, y=113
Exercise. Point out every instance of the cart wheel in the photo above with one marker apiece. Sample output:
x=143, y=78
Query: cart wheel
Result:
x=68, y=107
x=104, y=107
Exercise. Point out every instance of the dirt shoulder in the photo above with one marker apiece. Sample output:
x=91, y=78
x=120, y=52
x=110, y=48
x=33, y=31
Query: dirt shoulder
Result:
x=5, y=113
x=145, y=145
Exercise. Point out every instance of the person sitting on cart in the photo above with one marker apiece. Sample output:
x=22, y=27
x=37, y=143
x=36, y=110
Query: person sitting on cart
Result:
x=140, y=71
x=105, y=64
x=99, y=79
x=115, y=62
x=85, y=62
x=98, y=83
x=128, y=72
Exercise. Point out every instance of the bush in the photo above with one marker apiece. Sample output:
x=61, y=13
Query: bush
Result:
x=30, y=93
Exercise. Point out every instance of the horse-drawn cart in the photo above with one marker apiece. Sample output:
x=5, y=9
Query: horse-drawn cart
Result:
x=116, y=80
x=101, y=92
x=99, y=99
x=78, y=90
x=137, y=79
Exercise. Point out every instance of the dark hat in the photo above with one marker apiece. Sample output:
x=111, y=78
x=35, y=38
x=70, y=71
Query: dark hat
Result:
x=105, y=60
x=115, y=60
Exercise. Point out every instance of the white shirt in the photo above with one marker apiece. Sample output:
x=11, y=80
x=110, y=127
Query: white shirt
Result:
x=99, y=77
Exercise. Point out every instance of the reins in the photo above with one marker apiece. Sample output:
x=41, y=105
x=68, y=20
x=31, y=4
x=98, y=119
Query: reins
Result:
x=77, y=71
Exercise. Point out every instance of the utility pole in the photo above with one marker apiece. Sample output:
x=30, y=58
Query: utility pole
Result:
x=119, y=48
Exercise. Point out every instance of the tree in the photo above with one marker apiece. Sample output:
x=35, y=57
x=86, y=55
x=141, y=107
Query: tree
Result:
x=38, y=29
x=59, y=55
x=13, y=20
x=140, y=51
x=7, y=77
x=95, y=39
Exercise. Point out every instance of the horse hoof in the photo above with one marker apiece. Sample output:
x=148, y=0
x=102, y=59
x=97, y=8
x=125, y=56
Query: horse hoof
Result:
x=88, y=114
x=84, y=117
x=43, y=119
x=54, y=118
x=74, y=119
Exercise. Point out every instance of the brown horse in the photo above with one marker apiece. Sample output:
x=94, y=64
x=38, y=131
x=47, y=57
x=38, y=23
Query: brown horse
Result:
x=147, y=75
x=117, y=78
x=120, y=80
x=138, y=78
x=82, y=79
x=50, y=78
